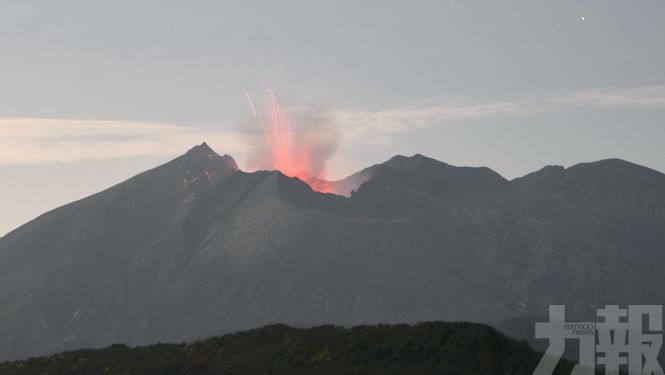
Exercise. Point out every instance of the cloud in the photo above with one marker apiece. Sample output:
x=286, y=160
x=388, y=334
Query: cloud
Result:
x=652, y=96
x=43, y=141
x=381, y=127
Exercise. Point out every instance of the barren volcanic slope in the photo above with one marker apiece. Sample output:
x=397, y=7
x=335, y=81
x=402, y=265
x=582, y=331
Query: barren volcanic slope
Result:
x=197, y=248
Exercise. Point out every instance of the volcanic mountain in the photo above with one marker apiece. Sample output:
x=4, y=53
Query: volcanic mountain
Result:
x=197, y=247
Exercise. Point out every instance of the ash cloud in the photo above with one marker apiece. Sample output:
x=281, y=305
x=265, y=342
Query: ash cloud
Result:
x=300, y=144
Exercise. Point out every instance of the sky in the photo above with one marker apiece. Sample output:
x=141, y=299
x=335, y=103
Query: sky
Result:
x=93, y=92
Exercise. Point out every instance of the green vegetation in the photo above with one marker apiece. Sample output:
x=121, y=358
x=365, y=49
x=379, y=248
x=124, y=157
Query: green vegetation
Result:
x=427, y=348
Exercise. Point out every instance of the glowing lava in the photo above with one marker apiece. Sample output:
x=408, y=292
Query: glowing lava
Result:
x=295, y=142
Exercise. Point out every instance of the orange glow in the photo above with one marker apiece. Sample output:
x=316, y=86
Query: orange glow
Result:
x=292, y=146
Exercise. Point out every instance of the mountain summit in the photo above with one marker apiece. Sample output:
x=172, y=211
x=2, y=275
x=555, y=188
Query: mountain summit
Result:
x=197, y=247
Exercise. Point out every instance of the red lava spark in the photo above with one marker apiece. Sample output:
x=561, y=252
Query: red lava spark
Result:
x=293, y=147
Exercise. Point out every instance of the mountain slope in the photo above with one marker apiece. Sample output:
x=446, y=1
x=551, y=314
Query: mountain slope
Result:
x=56, y=265
x=197, y=247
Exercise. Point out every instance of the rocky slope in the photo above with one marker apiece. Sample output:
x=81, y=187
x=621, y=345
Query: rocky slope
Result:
x=197, y=248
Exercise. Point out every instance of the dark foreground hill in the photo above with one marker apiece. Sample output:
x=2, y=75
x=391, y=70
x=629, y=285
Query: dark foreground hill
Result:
x=428, y=348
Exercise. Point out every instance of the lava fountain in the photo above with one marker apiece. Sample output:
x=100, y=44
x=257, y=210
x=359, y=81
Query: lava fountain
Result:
x=297, y=141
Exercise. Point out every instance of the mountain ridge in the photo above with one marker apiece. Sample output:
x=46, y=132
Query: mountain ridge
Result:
x=197, y=247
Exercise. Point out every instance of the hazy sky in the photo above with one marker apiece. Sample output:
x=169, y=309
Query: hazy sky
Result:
x=92, y=92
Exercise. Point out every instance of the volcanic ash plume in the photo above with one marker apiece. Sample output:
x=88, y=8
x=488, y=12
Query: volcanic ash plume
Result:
x=297, y=141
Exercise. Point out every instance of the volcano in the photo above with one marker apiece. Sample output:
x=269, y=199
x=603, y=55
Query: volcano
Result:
x=197, y=247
